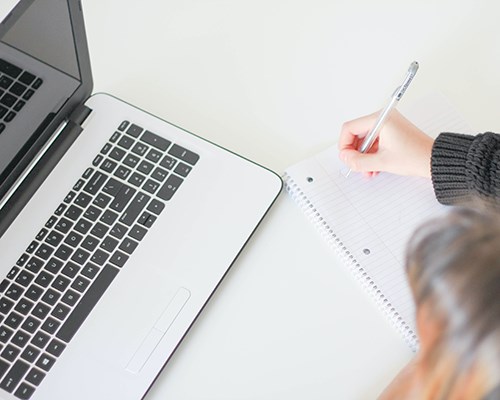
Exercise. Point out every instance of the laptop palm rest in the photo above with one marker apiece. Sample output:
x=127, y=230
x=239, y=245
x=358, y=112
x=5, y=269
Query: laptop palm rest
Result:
x=158, y=330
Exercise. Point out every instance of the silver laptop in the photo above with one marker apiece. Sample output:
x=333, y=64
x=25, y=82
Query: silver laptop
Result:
x=116, y=226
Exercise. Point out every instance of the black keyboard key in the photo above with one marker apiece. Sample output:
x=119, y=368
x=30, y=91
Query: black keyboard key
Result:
x=25, y=257
x=63, y=252
x=25, y=278
x=145, y=167
x=169, y=187
x=14, y=291
x=51, y=325
x=80, y=256
x=13, y=320
x=10, y=353
x=112, y=187
x=118, y=231
x=73, y=239
x=20, y=339
x=54, y=265
x=109, y=217
x=99, y=230
x=137, y=232
x=55, y=347
x=79, y=184
x=9, y=69
x=154, y=155
x=8, y=100
x=31, y=324
x=101, y=200
x=159, y=174
x=24, y=391
x=19, y=105
x=27, y=78
x=134, y=130
x=136, y=179
x=34, y=292
x=5, y=305
x=83, y=200
x=30, y=354
x=73, y=213
x=156, y=207
x=34, y=265
x=151, y=186
x=51, y=296
x=35, y=377
x=4, y=285
x=123, y=126
x=123, y=172
x=71, y=297
x=5, y=82
x=87, y=303
x=128, y=245
x=40, y=340
x=184, y=154
x=17, y=89
x=122, y=198
x=44, y=279
x=60, y=209
x=14, y=376
x=114, y=137
x=155, y=140
x=37, y=83
x=118, y=258
x=80, y=284
x=131, y=160
x=182, y=169
x=99, y=257
x=168, y=162
x=61, y=283
x=51, y=221
x=106, y=148
x=4, y=366
x=5, y=334
x=140, y=149
x=134, y=209
x=44, y=252
x=95, y=183
x=10, y=116
x=90, y=243
x=83, y=226
x=54, y=238
x=13, y=272
x=69, y=197
x=109, y=244
x=60, y=311
x=92, y=213
x=45, y=362
x=28, y=94
x=97, y=160
x=126, y=142
x=40, y=311
x=32, y=247
x=70, y=270
x=24, y=306
x=117, y=154
x=90, y=270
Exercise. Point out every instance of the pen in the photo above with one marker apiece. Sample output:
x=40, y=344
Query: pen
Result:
x=396, y=96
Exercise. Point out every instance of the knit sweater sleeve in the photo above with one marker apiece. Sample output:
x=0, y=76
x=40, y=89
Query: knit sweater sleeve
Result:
x=465, y=167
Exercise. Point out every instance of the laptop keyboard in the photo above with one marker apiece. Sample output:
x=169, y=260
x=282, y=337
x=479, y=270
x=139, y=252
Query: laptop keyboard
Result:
x=66, y=269
x=16, y=88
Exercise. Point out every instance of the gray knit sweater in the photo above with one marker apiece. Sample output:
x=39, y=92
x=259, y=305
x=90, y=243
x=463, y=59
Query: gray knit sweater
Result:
x=465, y=167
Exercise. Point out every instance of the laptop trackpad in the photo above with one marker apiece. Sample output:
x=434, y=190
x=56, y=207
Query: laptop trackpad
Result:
x=159, y=329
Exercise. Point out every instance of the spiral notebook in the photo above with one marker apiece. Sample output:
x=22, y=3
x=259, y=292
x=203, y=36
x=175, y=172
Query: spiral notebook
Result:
x=368, y=221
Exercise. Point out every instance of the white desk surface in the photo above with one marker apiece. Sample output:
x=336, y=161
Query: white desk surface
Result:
x=274, y=80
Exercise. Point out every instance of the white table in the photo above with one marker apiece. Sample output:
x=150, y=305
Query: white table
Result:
x=274, y=80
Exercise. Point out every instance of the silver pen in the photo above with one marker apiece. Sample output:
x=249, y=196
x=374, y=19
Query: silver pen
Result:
x=396, y=96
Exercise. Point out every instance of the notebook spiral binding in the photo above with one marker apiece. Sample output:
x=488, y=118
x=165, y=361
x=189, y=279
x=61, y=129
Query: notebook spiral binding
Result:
x=300, y=198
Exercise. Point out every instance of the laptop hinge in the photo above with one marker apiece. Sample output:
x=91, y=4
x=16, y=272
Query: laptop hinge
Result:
x=38, y=170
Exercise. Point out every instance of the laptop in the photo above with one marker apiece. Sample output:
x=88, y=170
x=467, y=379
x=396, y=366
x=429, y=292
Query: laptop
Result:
x=116, y=226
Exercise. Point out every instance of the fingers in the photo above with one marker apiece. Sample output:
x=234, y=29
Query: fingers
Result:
x=359, y=162
x=353, y=132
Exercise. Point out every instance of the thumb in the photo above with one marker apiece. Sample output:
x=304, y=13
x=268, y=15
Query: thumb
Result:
x=361, y=162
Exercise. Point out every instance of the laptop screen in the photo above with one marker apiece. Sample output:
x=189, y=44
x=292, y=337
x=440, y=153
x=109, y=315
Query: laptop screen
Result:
x=42, y=43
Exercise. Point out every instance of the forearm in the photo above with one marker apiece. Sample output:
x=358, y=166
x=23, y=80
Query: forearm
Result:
x=464, y=167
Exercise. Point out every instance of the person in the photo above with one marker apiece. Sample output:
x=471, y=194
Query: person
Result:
x=453, y=267
x=453, y=262
x=462, y=167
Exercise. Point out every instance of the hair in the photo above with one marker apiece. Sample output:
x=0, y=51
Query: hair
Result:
x=453, y=266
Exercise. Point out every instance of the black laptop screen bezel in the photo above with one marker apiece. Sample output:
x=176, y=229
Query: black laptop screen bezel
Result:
x=44, y=132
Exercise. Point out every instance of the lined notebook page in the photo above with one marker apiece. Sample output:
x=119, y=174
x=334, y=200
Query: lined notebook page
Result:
x=368, y=221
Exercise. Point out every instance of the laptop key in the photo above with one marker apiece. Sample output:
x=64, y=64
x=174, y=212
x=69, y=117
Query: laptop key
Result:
x=134, y=209
x=9, y=69
x=24, y=391
x=169, y=187
x=35, y=377
x=184, y=154
x=14, y=376
x=155, y=140
x=87, y=303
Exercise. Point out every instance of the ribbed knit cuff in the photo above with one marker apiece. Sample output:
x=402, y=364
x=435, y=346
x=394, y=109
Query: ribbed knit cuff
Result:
x=448, y=169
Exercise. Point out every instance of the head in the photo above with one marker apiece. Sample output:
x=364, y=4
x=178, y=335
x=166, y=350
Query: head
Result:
x=453, y=266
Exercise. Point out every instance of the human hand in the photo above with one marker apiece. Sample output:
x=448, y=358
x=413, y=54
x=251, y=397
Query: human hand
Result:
x=401, y=148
